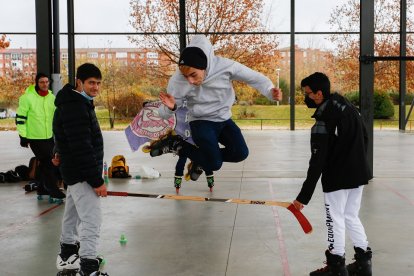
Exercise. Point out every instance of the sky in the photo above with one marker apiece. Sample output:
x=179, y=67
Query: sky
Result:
x=113, y=16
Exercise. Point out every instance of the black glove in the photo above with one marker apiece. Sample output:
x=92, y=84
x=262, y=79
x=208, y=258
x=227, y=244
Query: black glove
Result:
x=24, y=142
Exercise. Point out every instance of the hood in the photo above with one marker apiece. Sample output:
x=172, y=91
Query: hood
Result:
x=201, y=41
x=215, y=65
x=68, y=94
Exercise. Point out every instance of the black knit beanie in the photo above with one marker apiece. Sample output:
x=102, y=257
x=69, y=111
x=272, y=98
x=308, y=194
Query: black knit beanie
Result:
x=193, y=57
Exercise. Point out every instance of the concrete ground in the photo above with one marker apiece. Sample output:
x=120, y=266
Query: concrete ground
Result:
x=176, y=237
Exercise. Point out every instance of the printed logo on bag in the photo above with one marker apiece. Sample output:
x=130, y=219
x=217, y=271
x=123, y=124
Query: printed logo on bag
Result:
x=149, y=124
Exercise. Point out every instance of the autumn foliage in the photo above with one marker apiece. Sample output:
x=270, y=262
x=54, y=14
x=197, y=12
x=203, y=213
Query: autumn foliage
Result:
x=345, y=18
x=220, y=20
x=3, y=42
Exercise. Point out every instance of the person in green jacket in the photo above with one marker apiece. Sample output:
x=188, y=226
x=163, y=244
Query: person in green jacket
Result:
x=34, y=123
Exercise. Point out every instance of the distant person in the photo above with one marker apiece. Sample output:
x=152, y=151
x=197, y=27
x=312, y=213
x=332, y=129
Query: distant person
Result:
x=205, y=81
x=339, y=154
x=80, y=151
x=34, y=123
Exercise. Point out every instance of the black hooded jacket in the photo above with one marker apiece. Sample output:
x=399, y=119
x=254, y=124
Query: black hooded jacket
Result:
x=78, y=138
x=338, y=147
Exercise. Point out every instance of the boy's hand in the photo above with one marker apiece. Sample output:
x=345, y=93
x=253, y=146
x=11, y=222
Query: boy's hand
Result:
x=298, y=205
x=101, y=190
x=277, y=94
x=56, y=160
x=167, y=99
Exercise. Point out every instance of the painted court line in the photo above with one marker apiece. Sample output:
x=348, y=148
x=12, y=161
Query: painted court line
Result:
x=403, y=197
x=279, y=234
x=17, y=227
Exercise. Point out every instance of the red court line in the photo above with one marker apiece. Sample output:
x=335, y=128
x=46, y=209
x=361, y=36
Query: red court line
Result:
x=279, y=234
x=19, y=226
x=398, y=194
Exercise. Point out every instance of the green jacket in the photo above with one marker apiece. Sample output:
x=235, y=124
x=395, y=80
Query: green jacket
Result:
x=35, y=114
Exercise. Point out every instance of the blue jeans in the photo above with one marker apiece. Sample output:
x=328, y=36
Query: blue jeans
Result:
x=207, y=135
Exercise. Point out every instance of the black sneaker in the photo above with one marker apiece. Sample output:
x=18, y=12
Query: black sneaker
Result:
x=335, y=265
x=90, y=267
x=194, y=171
x=168, y=143
x=68, y=259
x=363, y=263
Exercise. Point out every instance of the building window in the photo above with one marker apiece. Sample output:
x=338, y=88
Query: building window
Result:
x=121, y=55
x=16, y=56
x=152, y=55
x=132, y=55
x=93, y=55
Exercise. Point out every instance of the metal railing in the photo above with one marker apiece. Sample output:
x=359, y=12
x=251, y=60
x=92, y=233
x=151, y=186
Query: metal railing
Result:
x=269, y=124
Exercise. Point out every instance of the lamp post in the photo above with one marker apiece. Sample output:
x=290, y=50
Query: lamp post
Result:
x=278, y=80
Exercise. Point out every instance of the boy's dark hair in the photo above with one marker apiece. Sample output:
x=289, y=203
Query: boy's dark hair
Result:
x=38, y=77
x=88, y=70
x=318, y=81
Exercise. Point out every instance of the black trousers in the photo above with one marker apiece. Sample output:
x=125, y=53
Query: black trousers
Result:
x=47, y=173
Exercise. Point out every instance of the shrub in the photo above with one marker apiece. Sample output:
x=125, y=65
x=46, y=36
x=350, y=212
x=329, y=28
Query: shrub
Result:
x=383, y=107
x=128, y=105
x=395, y=98
x=353, y=97
x=262, y=100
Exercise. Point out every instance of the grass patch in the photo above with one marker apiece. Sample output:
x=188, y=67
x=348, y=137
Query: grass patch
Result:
x=264, y=117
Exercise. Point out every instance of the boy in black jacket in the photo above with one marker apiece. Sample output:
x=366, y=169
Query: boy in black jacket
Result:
x=79, y=144
x=338, y=146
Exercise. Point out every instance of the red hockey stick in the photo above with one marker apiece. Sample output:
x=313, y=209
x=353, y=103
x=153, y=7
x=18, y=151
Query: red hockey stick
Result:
x=303, y=221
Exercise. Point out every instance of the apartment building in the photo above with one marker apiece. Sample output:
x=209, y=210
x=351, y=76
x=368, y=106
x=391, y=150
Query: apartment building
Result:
x=13, y=61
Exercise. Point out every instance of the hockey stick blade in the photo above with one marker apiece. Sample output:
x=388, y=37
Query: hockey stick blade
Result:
x=303, y=221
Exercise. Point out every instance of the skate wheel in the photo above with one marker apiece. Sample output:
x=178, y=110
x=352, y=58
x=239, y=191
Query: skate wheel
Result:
x=177, y=190
x=39, y=197
x=52, y=200
x=146, y=149
x=211, y=189
x=67, y=272
x=59, y=201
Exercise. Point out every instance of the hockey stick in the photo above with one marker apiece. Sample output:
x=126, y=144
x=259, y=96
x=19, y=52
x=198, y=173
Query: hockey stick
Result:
x=303, y=221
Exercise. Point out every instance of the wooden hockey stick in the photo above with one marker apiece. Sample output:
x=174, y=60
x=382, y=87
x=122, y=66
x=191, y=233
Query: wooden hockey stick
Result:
x=303, y=221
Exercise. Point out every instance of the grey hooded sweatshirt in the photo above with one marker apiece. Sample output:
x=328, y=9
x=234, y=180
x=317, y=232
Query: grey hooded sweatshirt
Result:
x=213, y=99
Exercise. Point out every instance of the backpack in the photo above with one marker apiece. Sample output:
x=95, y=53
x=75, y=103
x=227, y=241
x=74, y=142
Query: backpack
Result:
x=118, y=168
x=33, y=166
x=23, y=172
x=11, y=177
